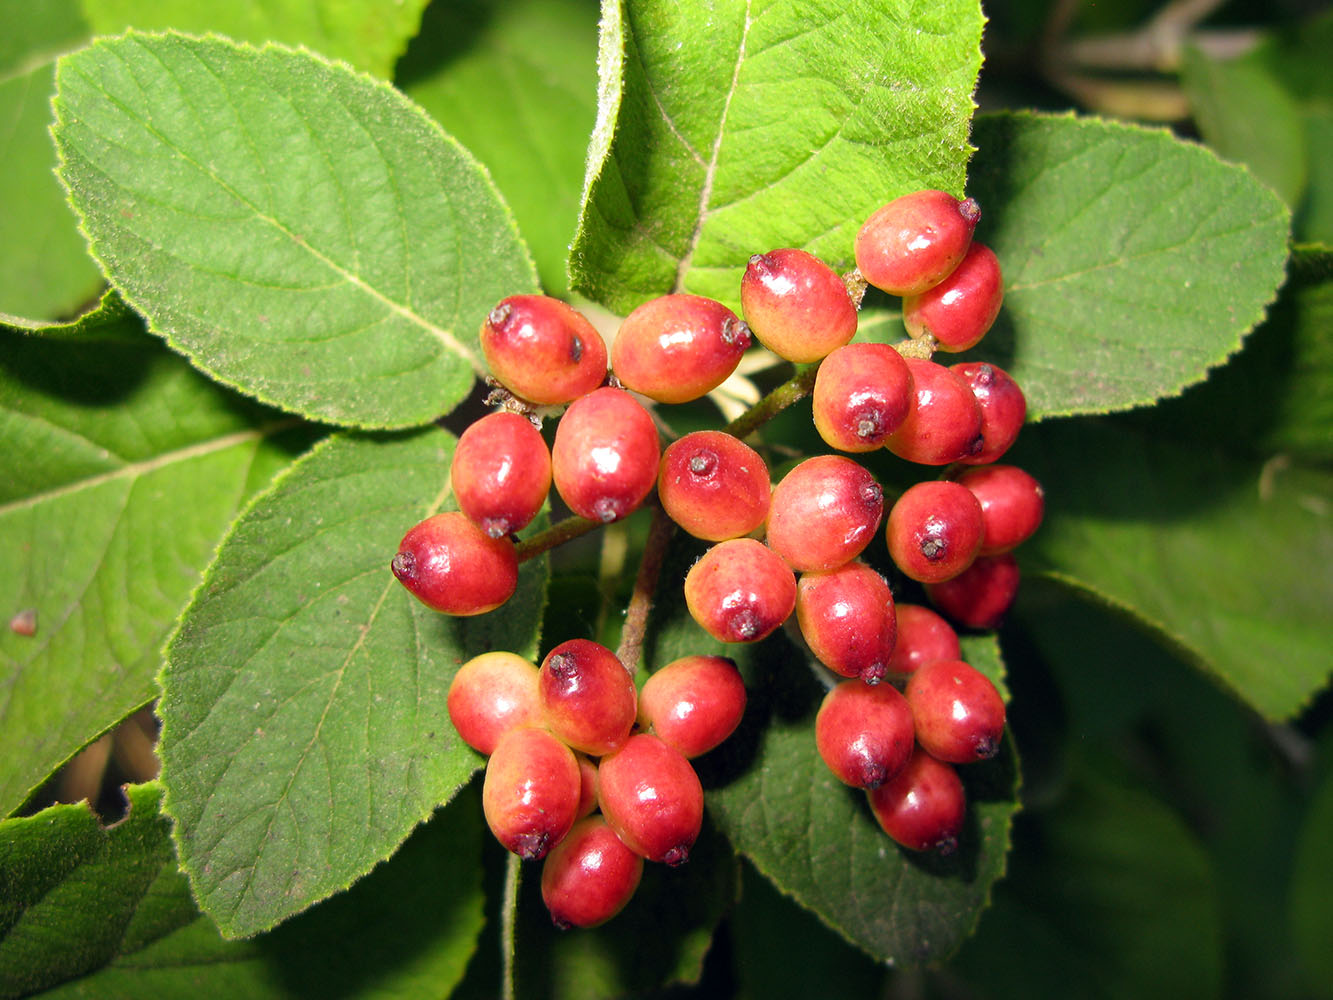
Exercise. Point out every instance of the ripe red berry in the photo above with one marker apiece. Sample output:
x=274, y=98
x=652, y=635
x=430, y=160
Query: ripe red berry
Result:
x=944, y=423
x=543, y=350
x=915, y=241
x=589, y=876
x=490, y=694
x=501, y=473
x=846, y=616
x=934, y=530
x=451, y=565
x=981, y=595
x=922, y=807
x=796, y=305
x=1002, y=404
x=530, y=795
x=676, y=348
x=823, y=513
x=587, y=786
x=652, y=798
x=862, y=394
x=740, y=590
x=587, y=696
x=1012, y=505
x=960, y=309
x=864, y=733
x=922, y=636
x=959, y=716
x=604, y=460
x=694, y=703
x=713, y=485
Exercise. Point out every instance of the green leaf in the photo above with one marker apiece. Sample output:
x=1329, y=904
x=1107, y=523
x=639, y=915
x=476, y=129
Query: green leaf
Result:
x=731, y=128
x=304, y=724
x=122, y=469
x=1133, y=262
x=369, y=34
x=515, y=81
x=110, y=317
x=1310, y=918
x=297, y=230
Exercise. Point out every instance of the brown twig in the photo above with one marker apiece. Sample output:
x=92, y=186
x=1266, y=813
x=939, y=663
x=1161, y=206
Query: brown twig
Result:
x=645, y=586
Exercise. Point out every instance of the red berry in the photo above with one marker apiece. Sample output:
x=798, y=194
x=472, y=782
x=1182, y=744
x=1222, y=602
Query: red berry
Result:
x=846, y=617
x=934, y=530
x=915, y=241
x=922, y=636
x=863, y=393
x=796, y=305
x=959, y=716
x=864, y=733
x=713, y=485
x=1003, y=408
x=823, y=513
x=652, y=798
x=587, y=696
x=960, y=309
x=589, y=876
x=944, y=423
x=451, y=565
x=1012, y=505
x=604, y=461
x=530, y=795
x=676, y=348
x=501, y=473
x=490, y=694
x=587, y=786
x=981, y=595
x=740, y=590
x=693, y=703
x=922, y=807
x=543, y=350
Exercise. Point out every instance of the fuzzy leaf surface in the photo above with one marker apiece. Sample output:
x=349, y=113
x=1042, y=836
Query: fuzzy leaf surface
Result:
x=1133, y=262
x=304, y=724
x=298, y=230
x=735, y=127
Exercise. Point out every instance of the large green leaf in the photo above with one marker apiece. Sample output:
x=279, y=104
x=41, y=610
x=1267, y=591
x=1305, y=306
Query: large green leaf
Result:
x=122, y=468
x=730, y=128
x=298, y=230
x=1310, y=917
x=1133, y=262
x=304, y=724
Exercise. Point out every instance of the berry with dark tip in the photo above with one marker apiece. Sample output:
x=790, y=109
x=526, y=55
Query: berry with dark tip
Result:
x=915, y=241
x=530, y=795
x=652, y=798
x=934, y=530
x=542, y=349
x=944, y=423
x=604, y=460
x=1002, y=405
x=740, y=590
x=960, y=309
x=959, y=716
x=823, y=513
x=676, y=348
x=922, y=807
x=451, y=565
x=846, y=617
x=501, y=473
x=864, y=733
x=590, y=876
x=587, y=696
x=796, y=305
x=713, y=485
x=862, y=394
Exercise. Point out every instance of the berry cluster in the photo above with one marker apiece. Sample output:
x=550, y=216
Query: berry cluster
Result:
x=779, y=552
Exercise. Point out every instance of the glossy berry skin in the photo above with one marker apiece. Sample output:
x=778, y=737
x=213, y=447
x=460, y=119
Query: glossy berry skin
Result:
x=981, y=595
x=694, y=703
x=846, y=617
x=914, y=242
x=796, y=305
x=490, y=694
x=862, y=394
x=530, y=795
x=604, y=460
x=1002, y=404
x=922, y=636
x=823, y=513
x=589, y=876
x=958, y=714
x=587, y=696
x=676, y=348
x=934, y=530
x=501, y=473
x=542, y=349
x=923, y=806
x=587, y=786
x=652, y=798
x=451, y=565
x=740, y=590
x=960, y=309
x=713, y=485
x=944, y=424
x=864, y=733
x=1012, y=505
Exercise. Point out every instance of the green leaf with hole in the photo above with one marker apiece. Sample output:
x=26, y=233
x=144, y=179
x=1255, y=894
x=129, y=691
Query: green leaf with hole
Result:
x=1133, y=262
x=731, y=128
x=304, y=724
x=298, y=230
x=122, y=468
